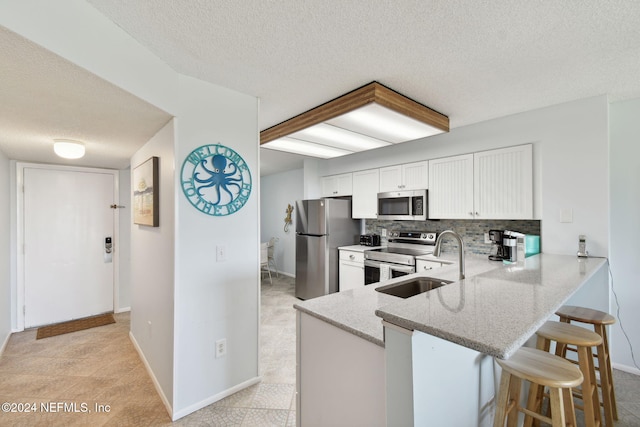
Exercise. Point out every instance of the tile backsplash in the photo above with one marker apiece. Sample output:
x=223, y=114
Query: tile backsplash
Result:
x=471, y=231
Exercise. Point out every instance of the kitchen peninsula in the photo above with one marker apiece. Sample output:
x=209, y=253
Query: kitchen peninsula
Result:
x=432, y=361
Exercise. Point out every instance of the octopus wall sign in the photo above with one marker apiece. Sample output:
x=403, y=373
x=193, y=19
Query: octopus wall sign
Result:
x=216, y=180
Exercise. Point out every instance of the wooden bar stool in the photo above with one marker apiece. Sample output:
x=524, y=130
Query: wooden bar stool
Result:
x=543, y=369
x=600, y=320
x=583, y=339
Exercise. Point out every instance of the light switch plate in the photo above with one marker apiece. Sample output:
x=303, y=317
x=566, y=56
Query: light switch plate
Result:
x=566, y=215
x=221, y=253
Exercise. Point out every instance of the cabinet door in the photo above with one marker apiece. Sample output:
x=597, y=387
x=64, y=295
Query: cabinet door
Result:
x=424, y=265
x=415, y=176
x=503, y=183
x=329, y=186
x=351, y=275
x=391, y=178
x=364, y=203
x=451, y=187
x=337, y=185
x=344, y=184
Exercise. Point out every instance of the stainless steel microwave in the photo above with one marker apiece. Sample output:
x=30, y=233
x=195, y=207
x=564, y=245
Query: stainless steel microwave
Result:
x=410, y=205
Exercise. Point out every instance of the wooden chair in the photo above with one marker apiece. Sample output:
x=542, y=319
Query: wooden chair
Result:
x=583, y=340
x=544, y=370
x=264, y=261
x=271, y=246
x=599, y=320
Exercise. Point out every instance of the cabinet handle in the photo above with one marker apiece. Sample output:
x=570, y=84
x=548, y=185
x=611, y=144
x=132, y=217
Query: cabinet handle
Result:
x=477, y=214
x=427, y=268
x=471, y=213
x=352, y=257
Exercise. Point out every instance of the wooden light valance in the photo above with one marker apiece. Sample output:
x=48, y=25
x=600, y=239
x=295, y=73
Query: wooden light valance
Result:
x=372, y=92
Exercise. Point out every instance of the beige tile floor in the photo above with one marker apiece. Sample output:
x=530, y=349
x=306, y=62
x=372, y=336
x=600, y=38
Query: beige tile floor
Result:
x=101, y=367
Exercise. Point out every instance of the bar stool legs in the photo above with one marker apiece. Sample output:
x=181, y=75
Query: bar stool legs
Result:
x=564, y=334
x=540, y=369
x=599, y=320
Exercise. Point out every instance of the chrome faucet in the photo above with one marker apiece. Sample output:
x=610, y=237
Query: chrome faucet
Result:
x=438, y=248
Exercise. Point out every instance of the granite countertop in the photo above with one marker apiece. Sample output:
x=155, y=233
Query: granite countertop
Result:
x=358, y=248
x=355, y=310
x=494, y=310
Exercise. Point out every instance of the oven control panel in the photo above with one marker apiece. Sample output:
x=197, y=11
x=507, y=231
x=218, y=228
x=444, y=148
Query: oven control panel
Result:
x=420, y=237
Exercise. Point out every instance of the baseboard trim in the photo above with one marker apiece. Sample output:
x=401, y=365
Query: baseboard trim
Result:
x=625, y=368
x=4, y=344
x=212, y=399
x=156, y=384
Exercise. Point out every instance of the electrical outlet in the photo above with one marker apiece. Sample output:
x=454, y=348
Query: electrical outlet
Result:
x=221, y=348
x=221, y=253
x=383, y=232
x=486, y=238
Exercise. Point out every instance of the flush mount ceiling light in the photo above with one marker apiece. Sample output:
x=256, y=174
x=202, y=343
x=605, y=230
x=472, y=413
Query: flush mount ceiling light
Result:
x=68, y=149
x=372, y=116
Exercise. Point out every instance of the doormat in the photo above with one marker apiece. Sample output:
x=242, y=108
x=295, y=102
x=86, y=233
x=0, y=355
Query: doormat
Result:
x=75, y=325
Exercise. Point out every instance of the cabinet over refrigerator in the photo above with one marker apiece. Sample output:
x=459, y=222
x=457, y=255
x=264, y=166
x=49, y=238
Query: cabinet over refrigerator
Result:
x=321, y=227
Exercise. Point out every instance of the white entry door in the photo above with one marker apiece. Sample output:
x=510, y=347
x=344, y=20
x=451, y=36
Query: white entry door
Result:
x=67, y=217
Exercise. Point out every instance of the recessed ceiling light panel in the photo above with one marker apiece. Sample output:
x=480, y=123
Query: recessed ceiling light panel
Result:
x=333, y=136
x=305, y=148
x=385, y=124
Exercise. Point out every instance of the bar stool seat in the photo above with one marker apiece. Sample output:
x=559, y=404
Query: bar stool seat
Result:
x=599, y=320
x=583, y=339
x=543, y=369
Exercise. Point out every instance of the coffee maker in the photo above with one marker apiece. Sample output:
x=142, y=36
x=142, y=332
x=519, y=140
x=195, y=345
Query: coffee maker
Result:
x=499, y=250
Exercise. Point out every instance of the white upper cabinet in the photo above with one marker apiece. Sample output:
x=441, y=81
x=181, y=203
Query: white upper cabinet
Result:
x=451, y=187
x=410, y=176
x=364, y=202
x=494, y=184
x=337, y=185
x=503, y=183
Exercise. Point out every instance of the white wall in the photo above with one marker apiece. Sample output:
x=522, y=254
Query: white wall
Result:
x=624, y=171
x=276, y=192
x=124, y=246
x=210, y=301
x=215, y=300
x=570, y=146
x=152, y=267
x=5, y=242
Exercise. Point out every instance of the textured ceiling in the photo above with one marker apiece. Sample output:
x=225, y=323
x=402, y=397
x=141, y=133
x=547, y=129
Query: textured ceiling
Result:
x=469, y=60
x=46, y=97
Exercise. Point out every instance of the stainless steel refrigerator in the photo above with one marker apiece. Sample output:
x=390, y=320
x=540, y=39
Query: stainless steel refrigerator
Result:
x=321, y=227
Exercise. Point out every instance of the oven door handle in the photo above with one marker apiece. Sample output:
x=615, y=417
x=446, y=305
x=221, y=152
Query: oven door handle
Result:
x=402, y=268
x=370, y=263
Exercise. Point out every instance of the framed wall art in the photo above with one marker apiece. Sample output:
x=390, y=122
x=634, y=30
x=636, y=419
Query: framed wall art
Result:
x=146, y=210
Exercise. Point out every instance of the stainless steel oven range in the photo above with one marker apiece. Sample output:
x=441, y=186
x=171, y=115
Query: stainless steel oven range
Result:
x=398, y=258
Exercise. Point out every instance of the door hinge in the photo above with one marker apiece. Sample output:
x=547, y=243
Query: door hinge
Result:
x=114, y=206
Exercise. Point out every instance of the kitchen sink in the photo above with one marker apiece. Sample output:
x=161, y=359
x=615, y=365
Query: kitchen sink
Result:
x=411, y=287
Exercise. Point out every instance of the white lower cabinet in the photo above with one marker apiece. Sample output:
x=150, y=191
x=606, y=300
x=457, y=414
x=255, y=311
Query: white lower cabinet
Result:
x=351, y=270
x=340, y=377
x=424, y=265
